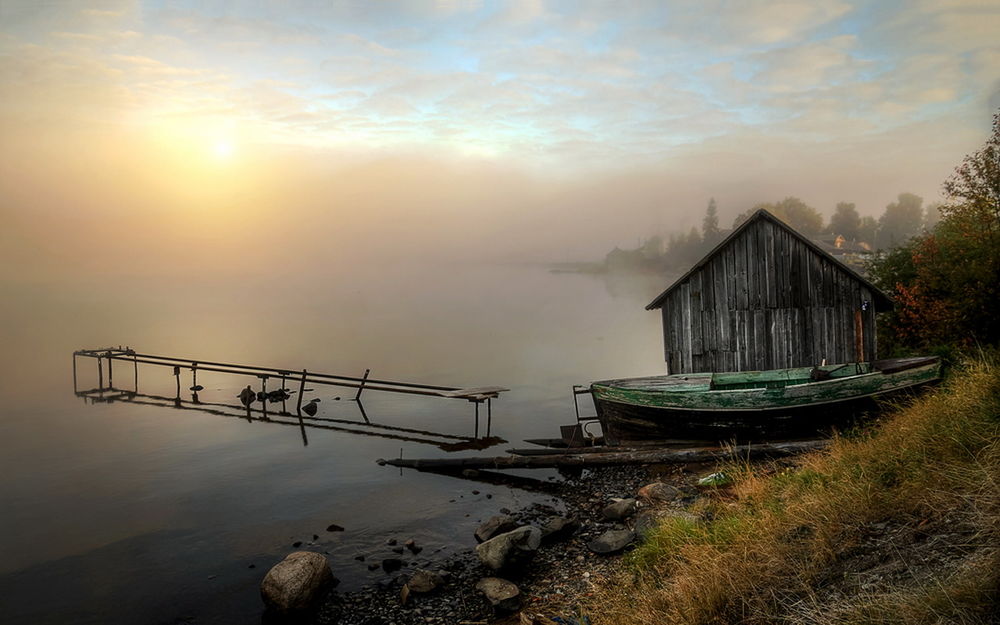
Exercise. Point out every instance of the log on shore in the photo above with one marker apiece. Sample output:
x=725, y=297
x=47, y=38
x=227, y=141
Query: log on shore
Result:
x=657, y=456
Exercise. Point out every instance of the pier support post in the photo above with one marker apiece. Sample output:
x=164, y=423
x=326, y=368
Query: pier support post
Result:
x=100, y=374
x=111, y=382
x=135, y=370
x=263, y=401
x=477, y=418
x=302, y=388
x=361, y=387
x=74, y=372
x=177, y=378
x=489, y=415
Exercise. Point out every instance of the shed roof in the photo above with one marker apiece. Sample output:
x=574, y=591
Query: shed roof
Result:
x=882, y=301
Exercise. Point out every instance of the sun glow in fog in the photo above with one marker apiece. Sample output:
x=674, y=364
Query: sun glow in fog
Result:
x=223, y=150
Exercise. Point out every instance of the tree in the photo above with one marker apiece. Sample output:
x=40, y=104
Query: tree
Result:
x=932, y=216
x=793, y=212
x=845, y=221
x=710, y=225
x=901, y=221
x=974, y=189
x=947, y=281
x=868, y=230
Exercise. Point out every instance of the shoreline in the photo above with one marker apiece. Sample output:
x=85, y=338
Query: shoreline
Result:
x=561, y=573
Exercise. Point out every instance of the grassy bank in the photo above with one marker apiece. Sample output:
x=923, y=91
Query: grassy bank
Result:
x=897, y=525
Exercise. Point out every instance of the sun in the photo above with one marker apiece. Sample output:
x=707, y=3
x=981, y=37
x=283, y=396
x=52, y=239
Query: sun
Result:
x=223, y=150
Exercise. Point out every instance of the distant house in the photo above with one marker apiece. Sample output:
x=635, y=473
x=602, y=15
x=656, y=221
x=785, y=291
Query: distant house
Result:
x=767, y=297
x=838, y=245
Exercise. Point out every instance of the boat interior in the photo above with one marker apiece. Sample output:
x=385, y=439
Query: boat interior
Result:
x=780, y=378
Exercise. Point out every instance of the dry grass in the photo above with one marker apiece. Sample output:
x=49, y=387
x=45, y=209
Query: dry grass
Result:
x=897, y=525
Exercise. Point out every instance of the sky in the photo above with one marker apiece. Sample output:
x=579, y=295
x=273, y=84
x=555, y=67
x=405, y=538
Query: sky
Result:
x=172, y=133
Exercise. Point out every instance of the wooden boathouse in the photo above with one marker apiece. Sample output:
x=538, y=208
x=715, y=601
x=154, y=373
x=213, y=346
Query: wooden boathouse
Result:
x=767, y=297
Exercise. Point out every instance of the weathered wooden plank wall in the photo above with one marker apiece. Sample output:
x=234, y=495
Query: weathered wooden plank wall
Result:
x=766, y=301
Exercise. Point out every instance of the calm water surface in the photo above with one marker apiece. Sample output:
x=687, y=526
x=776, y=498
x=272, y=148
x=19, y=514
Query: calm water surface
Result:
x=128, y=513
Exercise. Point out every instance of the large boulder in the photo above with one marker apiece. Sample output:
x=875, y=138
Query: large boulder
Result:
x=510, y=549
x=658, y=492
x=620, y=509
x=611, y=541
x=495, y=525
x=503, y=595
x=296, y=582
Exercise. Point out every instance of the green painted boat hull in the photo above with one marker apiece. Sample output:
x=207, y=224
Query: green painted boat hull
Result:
x=755, y=405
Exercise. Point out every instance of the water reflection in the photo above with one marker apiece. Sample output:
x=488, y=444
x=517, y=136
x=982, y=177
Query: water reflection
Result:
x=248, y=411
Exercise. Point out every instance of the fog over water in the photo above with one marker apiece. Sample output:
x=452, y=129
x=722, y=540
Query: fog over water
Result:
x=165, y=509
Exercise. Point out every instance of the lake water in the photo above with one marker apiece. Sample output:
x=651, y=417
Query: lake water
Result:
x=129, y=513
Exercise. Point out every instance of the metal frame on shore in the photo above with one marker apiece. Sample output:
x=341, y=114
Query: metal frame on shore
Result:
x=477, y=395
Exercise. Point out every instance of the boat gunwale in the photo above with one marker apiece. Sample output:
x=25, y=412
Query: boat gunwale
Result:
x=758, y=392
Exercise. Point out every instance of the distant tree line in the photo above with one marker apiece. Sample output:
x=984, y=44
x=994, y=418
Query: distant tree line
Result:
x=902, y=220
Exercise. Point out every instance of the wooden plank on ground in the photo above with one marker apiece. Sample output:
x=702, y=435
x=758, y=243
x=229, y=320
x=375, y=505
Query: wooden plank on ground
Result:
x=658, y=456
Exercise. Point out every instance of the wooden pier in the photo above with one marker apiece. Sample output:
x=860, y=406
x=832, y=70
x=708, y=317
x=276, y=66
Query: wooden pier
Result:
x=131, y=359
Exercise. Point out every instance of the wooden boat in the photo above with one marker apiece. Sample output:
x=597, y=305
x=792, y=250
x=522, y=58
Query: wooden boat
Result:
x=753, y=405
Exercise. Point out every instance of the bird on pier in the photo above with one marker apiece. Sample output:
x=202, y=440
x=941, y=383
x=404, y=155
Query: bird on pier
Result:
x=311, y=408
x=196, y=388
x=247, y=396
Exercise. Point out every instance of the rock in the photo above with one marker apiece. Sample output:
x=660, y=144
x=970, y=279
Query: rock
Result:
x=510, y=549
x=333, y=527
x=296, y=582
x=390, y=565
x=499, y=524
x=502, y=595
x=297, y=544
x=424, y=581
x=658, y=492
x=391, y=542
x=470, y=473
x=620, y=509
x=557, y=528
x=374, y=565
x=611, y=541
x=412, y=546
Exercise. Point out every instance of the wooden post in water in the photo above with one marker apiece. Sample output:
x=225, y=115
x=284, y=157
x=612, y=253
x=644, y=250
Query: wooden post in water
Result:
x=100, y=374
x=135, y=370
x=177, y=377
x=263, y=402
x=194, y=376
x=361, y=387
x=111, y=382
x=74, y=372
x=302, y=388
